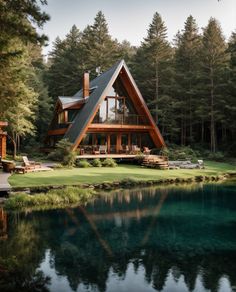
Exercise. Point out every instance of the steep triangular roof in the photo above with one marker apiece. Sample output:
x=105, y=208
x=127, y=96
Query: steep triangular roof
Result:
x=101, y=87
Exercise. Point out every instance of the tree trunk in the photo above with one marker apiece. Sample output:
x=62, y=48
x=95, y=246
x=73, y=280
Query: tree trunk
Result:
x=202, y=131
x=156, y=91
x=14, y=145
x=213, y=138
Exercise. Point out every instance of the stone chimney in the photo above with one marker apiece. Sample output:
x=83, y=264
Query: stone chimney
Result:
x=86, y=85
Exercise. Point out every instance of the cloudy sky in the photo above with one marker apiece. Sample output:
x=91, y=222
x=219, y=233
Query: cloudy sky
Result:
x=129, y=19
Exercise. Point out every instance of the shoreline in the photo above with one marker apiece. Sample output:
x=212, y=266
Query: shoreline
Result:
x=51, y=197
x=129, y=182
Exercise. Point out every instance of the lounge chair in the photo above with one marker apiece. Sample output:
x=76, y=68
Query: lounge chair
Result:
x=30, y=165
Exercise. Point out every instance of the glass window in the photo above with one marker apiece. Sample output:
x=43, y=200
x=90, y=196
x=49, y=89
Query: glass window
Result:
x=62, y=117
x=103, y=111
x=111, y=110
x=118, y=107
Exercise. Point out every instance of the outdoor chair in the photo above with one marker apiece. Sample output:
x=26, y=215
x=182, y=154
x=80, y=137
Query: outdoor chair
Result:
x=29, y=165
x=135, y=149
x=95, y=150
x=102, y=149
x=146, y=150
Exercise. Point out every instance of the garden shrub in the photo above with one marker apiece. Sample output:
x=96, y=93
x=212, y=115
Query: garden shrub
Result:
x=96, y=163
x=217, y=156
x=139, y=159
x=83, y=163
x=109, y=162
x=174, y=152
x=63, y=153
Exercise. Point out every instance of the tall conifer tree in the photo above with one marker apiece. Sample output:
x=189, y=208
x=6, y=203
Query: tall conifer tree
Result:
x=152, y=67
x=214, y=63
x=99, y=50
x=187, y=70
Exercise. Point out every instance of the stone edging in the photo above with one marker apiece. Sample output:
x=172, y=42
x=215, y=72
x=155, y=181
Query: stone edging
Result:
x=129, y=183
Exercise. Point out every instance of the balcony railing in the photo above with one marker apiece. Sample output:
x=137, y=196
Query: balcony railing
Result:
x=122, y=120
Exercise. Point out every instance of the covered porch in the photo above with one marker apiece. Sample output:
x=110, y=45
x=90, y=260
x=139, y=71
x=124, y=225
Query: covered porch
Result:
x=116, y=142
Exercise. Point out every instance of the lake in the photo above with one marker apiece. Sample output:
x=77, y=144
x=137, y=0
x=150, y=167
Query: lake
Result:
x=151, y=239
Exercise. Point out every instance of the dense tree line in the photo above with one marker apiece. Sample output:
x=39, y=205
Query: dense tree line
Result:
x=24, y=100
x=189, y=85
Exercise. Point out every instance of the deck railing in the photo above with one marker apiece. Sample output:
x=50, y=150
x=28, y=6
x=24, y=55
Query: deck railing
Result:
x=123, y=120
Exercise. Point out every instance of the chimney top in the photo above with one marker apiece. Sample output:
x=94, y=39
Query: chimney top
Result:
x=86, y=85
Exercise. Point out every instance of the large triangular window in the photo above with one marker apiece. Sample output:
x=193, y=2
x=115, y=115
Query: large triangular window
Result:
x=118, y=107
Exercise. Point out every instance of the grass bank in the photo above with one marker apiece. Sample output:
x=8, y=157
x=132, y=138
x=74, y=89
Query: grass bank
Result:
x=95, y=175
x=68, y=196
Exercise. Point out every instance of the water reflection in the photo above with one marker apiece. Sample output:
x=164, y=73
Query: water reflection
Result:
x=151, y=239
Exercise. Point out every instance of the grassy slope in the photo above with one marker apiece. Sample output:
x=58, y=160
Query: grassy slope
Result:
x=97, y=175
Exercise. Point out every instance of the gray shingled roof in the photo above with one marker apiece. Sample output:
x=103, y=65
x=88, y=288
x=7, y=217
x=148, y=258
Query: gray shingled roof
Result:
x=100, y=84
x=68, y=99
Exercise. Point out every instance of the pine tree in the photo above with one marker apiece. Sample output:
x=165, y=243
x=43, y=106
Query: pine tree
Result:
x=66, y=65
x=152, y=69
x=214, y=64
x=230, y=108
x=19, y=19
x=126, y=51
x=188, y=45
x=43, y=109
x=99, y=50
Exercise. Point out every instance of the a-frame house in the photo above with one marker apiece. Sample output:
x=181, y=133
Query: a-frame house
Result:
x=108, y=111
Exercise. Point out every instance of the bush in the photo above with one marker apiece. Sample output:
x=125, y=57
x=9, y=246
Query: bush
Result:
x=217, y=156
x=139, y=159
x=96, y=163
x=63, y=153
x=181, y=153
x=165, y=151
x=83, y=163
x=109, y=162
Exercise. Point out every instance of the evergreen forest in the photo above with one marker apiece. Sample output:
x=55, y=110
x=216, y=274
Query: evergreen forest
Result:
x=189, y=84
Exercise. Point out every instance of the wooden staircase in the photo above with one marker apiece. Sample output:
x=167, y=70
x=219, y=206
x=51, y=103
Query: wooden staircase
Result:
x=155, y=161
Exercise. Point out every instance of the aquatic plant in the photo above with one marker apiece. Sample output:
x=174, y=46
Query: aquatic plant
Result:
x=59, y=197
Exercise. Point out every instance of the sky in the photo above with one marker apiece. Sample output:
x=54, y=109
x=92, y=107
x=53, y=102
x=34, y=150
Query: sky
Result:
x=130, y=19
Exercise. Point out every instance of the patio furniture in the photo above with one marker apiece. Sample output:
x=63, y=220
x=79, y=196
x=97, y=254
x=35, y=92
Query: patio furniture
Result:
x=30, y=165
x=135, y=149
x=95, y=150
x=127, y=149
x=8, y=166
x=19, y=169
x=146, y=150
x=102, y=149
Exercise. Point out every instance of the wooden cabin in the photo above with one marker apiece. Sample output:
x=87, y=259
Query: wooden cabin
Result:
x=3, y=139
x=108, y=115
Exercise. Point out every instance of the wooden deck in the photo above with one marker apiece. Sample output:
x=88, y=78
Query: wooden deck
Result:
x=103, y=156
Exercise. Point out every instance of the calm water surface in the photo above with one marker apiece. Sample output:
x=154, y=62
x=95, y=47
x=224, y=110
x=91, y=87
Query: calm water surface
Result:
x=166, y=239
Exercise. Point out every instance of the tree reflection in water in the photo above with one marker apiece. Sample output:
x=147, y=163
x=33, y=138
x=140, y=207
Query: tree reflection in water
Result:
x=147, y=239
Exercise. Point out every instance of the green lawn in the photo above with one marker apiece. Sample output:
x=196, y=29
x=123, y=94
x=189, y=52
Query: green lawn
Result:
x=97, y=175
